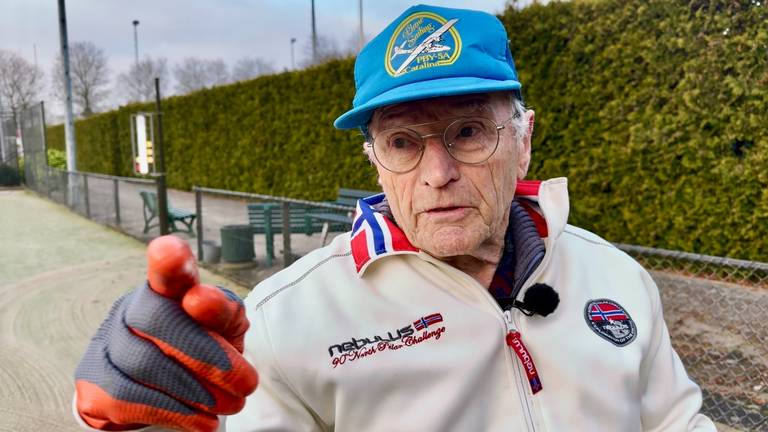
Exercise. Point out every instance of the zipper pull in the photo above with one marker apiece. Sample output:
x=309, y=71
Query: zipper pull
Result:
x=508, y=320
x=514, y=341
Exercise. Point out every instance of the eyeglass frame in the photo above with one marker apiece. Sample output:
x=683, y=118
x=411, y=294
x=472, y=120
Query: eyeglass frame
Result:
x=499, y=126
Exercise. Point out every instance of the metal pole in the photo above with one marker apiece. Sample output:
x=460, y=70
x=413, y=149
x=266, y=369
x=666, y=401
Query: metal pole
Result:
x=116, y=193
x=136, y=41
x=287, y=255
x=314, y=35
x=162, y=192
x=199, y=212
x=362, y=35
x=48, y=182
x=293, y=62
x=87, y=200
x=68, y=188
x=69, y=125
x=43, y=134
x=2, y=132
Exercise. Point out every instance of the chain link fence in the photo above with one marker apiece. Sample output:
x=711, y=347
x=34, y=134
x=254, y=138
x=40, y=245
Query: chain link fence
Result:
x=32, y=133
x=109, y=200
x=9, y=153
x=717, y=313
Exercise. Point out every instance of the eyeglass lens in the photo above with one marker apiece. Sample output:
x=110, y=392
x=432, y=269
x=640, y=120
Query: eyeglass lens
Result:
x=469, y=140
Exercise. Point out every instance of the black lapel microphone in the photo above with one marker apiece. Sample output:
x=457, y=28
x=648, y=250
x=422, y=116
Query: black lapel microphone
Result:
x=540, y=299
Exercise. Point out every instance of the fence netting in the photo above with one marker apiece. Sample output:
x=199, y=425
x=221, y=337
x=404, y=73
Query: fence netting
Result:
x=717, y=313
x=32, y=133
x=9, y=153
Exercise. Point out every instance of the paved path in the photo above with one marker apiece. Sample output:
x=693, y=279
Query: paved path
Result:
x=59, y=274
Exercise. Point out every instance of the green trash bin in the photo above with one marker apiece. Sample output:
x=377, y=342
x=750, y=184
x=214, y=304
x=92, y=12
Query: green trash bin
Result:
x=237, y=244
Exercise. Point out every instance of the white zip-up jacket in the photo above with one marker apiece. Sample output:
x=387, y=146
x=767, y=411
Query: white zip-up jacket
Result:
x=370, y=334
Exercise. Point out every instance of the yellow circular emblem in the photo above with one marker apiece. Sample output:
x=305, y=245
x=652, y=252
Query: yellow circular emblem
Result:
x=421, y=41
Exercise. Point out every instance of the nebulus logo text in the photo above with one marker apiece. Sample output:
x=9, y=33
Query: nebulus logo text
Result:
x=524, y=357
x=357, y=343
x=358, y=348
x=514, y=342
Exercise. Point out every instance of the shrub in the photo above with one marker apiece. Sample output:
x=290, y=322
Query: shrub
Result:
x=57, y=159
x=9, y=176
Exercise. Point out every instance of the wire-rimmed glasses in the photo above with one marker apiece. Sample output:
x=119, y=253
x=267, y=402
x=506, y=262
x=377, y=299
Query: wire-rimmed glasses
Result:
x=469, y=140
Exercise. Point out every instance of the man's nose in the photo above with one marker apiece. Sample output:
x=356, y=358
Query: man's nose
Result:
x=437, y=168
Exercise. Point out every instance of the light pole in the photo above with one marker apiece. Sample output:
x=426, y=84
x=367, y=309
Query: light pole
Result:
x=314, y=35
x=293, y=63
x=136, y=41
x=362, y=35
x=69, y=124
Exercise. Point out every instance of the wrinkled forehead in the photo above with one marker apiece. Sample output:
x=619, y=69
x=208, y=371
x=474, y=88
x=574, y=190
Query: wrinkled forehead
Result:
x=428, y=110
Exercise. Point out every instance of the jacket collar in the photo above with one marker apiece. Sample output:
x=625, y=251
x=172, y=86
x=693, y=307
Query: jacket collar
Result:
x=375, y=235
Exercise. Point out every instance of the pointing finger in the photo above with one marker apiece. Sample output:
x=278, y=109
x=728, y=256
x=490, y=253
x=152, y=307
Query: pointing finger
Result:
x=171, y=266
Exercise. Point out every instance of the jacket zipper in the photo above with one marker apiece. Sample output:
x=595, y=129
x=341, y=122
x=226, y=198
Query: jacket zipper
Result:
x=513, y=336
x=515, y=343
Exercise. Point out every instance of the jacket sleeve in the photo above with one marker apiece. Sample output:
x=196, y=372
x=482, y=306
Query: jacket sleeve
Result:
x=274, y=406
x=671, y=400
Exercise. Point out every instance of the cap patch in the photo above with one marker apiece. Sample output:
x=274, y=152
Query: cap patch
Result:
x=610, y=321
x=423, y=40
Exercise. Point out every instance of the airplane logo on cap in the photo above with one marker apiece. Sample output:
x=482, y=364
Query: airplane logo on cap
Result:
x=441, y=46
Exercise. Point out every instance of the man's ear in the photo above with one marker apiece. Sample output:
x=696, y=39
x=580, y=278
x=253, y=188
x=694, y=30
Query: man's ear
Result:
x=524, y=149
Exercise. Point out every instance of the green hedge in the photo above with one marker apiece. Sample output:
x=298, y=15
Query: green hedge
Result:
x=240, y=136
x=655, y=110
x=657, y=113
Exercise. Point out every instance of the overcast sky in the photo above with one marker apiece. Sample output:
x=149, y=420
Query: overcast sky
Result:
x=226, y=29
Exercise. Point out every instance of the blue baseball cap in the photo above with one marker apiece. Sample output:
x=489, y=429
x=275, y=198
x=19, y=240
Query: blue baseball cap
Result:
x=429, y=52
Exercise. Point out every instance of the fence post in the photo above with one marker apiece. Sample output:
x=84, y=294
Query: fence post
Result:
x=162, y=189
x=116, y=189
x=199, y=211
x=66, y=192
x=87, y=200
x=287, y=255
x=48, y=181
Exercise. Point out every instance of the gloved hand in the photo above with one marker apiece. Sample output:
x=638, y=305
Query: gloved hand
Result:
x=169, y=352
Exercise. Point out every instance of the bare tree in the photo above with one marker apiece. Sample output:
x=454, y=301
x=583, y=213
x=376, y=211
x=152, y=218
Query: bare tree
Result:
x=194, y=74
x=251, y=67
x=20, y=81
x=138, y=84
x=351, y=46
x=89, y=74
x=218, y=73
x=327, y=49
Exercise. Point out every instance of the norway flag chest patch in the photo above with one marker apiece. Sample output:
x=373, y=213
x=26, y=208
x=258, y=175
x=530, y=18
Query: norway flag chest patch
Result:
x=610, y=321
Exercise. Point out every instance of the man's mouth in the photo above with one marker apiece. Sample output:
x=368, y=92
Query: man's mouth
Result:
x=447, y=213
x=443, y=209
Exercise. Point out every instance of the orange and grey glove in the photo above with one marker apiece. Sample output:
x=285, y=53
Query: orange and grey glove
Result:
x=169, y=353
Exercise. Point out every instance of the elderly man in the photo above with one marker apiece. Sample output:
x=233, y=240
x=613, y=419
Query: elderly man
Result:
x=460, y=301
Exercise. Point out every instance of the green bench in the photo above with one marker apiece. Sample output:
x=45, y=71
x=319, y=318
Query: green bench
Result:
x=338, y=220
x=267, y=219
x=174, y=215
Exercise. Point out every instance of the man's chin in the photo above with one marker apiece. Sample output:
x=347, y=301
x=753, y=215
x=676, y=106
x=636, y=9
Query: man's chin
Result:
x=448, y=242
